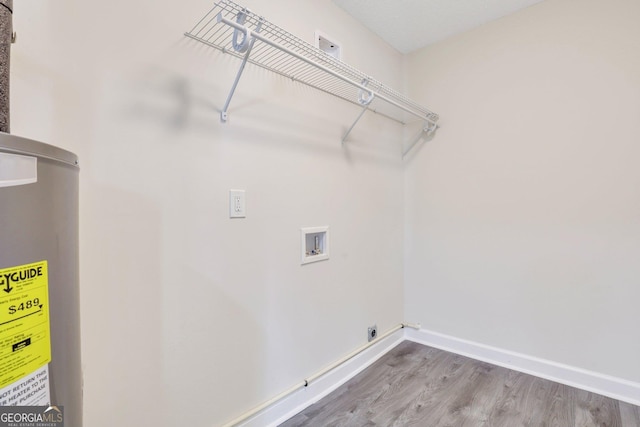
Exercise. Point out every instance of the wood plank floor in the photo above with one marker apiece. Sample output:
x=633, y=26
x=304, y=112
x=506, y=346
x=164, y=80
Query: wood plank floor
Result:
x=415, y=385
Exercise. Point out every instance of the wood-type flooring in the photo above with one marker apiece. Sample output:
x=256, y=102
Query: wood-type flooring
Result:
x=416, y=385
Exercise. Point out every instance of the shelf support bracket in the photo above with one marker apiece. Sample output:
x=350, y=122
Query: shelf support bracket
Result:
x=364, y=97
x=364, y=109
x=427, y=130
x=244, y=46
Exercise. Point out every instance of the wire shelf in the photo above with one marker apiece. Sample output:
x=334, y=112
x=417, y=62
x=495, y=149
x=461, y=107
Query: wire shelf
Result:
x=237, y=31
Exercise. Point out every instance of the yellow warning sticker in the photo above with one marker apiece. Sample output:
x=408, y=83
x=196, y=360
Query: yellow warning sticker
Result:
x=25, y=343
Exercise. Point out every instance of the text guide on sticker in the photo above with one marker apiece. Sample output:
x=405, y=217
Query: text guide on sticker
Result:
x=25, y=343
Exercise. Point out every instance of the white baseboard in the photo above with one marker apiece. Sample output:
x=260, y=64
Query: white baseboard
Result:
x=605, y=385
x=306, y=396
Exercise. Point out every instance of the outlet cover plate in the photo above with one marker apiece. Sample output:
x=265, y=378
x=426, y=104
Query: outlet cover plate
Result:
x=372, y=333
x=237, y=204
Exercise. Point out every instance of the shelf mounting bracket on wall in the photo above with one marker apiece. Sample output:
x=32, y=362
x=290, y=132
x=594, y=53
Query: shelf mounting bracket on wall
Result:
x=364, y=98
x=235, y=30
x=426, y=132
x=245, y=45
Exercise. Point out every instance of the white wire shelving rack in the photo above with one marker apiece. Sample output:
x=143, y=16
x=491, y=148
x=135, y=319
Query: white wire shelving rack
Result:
x=237, y=31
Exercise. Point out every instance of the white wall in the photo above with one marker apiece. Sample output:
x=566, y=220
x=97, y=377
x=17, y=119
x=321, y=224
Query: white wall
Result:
x=523, y=214
x=190, y=318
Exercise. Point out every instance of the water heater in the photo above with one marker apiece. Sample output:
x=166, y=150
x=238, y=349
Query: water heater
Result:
x=39, y=295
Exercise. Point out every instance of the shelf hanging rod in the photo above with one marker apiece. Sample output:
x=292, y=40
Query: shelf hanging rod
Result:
x=252, y=34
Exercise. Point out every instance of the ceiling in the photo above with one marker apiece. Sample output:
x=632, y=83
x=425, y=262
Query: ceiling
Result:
x=408, y=25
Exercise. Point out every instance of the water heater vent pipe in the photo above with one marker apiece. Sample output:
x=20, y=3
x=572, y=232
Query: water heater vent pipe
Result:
x=6, y=37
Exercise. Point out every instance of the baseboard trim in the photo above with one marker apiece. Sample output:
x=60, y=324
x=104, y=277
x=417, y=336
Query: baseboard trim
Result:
x=605, y=385
x=301, y=399
x=616, y=388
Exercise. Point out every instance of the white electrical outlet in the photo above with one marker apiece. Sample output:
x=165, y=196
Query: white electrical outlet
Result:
x=237, y=205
